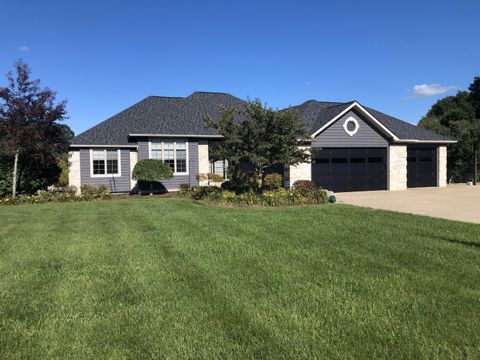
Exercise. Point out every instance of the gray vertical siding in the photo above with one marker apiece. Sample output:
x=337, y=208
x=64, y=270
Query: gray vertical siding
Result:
x=335, y=135
x=174, y=183
x=116, y=184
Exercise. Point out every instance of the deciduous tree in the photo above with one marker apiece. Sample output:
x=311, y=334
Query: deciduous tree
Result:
x=29, y=123
x=259, y=135
x=453, y=117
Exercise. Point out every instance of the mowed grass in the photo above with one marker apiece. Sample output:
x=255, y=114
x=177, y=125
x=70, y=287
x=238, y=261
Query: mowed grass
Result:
x=170, y=278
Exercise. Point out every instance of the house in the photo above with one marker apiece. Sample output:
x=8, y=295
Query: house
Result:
x=354, y=148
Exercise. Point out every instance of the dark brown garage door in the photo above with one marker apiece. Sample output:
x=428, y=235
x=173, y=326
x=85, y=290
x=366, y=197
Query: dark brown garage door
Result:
x=350, y=169
x=421, y=167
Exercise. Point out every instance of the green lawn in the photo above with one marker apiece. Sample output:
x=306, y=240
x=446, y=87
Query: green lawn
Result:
x=170, y=278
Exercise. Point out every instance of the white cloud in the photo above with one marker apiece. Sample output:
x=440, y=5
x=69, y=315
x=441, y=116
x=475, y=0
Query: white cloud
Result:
x=431, y=89
x=24, y=48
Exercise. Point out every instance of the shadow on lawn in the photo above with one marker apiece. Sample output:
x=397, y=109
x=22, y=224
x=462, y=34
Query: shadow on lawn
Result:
x=461, y=242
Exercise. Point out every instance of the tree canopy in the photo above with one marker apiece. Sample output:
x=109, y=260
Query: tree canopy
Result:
x=31, y=136
x=259, y=135
x=454, y=117
x=151, y=170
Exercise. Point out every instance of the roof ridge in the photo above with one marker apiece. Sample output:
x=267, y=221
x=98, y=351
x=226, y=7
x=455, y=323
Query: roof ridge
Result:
x=164, y=97
x=210, y=92
x=342, y=103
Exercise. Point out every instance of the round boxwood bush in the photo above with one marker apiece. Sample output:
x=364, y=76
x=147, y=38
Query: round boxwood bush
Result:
x=272, y=181
x=304, y=187
x=151, y=170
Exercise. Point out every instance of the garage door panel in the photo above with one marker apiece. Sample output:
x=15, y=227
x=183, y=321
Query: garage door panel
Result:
x=421, y=167
x=350, y=169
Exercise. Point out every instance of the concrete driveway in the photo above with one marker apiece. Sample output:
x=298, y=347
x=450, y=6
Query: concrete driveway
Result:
x=455, y=202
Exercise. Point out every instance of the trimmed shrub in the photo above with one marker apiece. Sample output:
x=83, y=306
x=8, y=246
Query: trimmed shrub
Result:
x=90, y=192
x=272, y=181
x=151, y=170
x=304, y=187
x=242, y=182
x=207, y=192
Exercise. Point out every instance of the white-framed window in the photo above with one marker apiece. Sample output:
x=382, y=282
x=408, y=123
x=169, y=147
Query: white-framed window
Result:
x=172, y=152
x=219, y=167
x=104, y=162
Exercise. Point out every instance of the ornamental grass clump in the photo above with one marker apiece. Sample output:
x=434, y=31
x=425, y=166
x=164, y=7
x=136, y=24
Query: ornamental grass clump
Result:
x=278, y=197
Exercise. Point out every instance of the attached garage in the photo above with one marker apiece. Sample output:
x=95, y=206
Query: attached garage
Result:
x=421, y=167
x=350, y=169
x=354, y=148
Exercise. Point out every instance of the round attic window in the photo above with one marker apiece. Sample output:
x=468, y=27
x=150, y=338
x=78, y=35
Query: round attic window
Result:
x=351, y=126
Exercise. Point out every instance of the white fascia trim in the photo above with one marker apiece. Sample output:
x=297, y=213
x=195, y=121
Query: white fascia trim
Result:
x=179, y=136
x=370, y=116
x=104, y=146
x=415, y=141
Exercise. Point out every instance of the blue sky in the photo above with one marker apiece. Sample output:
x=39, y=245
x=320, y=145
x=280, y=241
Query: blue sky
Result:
x=103, y=56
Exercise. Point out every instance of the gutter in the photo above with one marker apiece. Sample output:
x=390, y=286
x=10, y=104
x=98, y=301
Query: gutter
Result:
x=416, y=141
x=178, y=136
x=102, y=146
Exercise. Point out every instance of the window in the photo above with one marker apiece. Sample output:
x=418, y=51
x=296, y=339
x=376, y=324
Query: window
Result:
x=105, y=162
x=172, y=152
x=219, y=167
x=351, y=126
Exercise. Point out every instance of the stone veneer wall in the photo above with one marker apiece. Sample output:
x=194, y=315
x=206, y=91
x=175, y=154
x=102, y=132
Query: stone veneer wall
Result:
x=74, y=169
x=442, y=166
x=397, y=171
x=203, y=160
x=133, y=161
x=302, y=171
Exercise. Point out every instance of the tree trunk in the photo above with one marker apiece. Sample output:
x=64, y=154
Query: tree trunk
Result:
x=14, y=175
x=260, y=178
x=475, y=166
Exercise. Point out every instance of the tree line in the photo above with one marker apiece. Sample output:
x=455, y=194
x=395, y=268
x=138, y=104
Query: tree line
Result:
x=458, y=117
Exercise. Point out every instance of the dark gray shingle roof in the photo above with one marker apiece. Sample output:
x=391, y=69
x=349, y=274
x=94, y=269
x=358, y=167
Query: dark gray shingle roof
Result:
x=184, y=116
x=159, y=115
x=318, y=113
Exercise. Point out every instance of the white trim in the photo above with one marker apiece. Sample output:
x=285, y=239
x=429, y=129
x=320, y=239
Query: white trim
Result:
x=106, y=175
x=345, y=126
x=175, y=173
x=103, y=146
x=179, y=136
x=372, y=118
x=415, y=141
